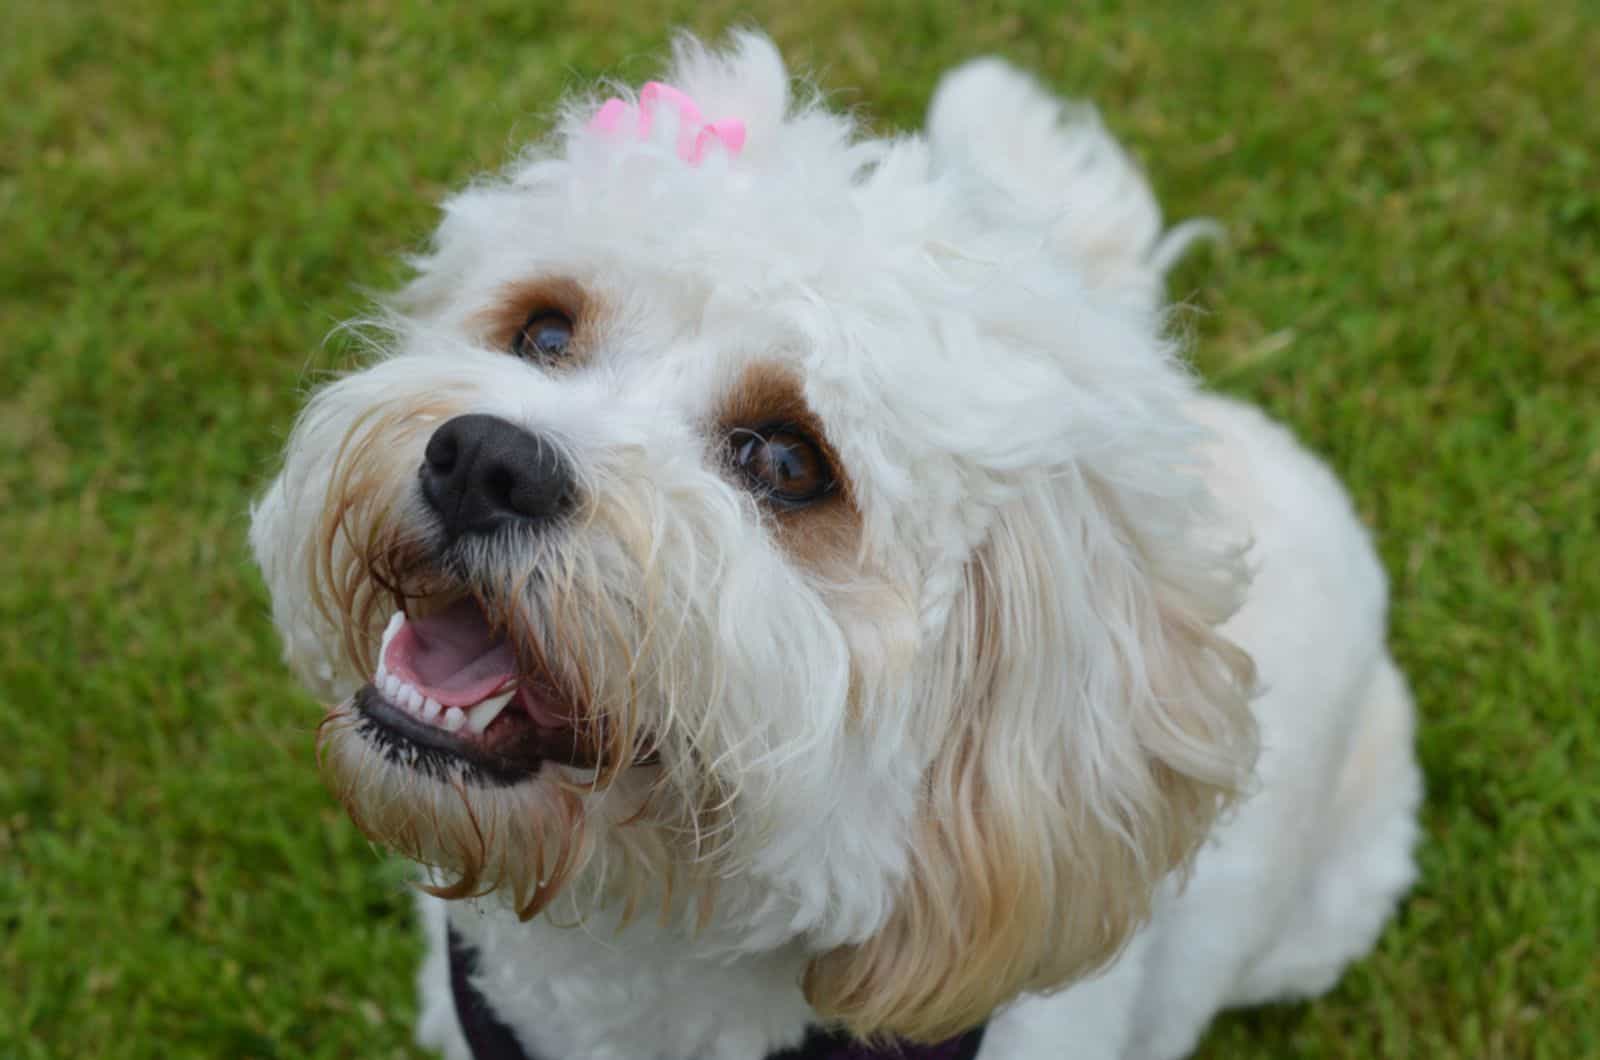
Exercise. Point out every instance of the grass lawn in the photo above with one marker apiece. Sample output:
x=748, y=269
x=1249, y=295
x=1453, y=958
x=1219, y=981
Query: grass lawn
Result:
x=192, y=195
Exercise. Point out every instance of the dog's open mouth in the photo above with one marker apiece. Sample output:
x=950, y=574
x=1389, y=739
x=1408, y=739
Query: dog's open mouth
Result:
x=448, y=691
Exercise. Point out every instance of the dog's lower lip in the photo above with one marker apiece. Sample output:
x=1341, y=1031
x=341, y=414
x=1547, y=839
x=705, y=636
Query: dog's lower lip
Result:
x=436, y=746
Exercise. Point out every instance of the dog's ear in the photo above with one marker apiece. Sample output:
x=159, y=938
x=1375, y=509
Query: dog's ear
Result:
x=1052, y=168
x=1094, y=723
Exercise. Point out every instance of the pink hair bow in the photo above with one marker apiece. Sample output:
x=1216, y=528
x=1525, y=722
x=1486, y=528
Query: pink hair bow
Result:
x=694, y=133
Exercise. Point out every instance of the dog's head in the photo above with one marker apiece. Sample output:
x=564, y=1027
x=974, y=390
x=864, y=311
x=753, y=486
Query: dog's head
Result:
x=765, y=525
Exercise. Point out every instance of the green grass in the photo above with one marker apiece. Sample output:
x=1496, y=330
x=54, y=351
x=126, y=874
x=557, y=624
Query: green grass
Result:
x=191, y=195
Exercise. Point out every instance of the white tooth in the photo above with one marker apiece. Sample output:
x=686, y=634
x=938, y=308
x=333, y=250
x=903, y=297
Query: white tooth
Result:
x=396, y=620
x=413, y=700
x=482, y=716
x=392, y=687
x=454, y=719
x=383, y=671
x=431, y=707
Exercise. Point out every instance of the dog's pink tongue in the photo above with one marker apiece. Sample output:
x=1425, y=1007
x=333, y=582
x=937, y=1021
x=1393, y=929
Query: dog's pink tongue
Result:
x=454, y=656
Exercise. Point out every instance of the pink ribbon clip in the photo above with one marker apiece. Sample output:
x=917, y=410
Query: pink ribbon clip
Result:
x=695, y=134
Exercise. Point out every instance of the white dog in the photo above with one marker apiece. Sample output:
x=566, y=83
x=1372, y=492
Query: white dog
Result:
x=789, y=592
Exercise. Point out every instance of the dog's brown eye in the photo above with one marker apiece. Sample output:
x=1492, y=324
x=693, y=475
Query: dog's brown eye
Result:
x=544, y=336
x=784, y=464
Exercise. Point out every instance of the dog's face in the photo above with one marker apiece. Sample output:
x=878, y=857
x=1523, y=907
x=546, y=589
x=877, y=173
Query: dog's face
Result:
x=769, y=538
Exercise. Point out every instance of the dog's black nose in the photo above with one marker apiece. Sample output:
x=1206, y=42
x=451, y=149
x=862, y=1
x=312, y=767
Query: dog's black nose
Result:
x=480, y=473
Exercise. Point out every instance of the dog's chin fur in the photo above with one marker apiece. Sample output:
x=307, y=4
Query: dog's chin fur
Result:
x=922, y=752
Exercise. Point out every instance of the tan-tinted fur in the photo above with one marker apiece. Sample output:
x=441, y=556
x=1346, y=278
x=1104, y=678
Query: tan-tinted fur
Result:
x=516, y=302
x=1025, y=887
x=825, y=536
x=367, y=561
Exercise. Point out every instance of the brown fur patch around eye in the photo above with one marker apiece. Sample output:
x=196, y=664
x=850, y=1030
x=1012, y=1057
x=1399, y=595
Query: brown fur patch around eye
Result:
x=826, y=534
x=502, y=319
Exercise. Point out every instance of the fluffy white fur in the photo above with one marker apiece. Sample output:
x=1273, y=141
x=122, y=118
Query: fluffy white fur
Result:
x=1089, y=728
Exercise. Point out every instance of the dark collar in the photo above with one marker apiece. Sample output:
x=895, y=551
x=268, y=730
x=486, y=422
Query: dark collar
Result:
x=489, y=1039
